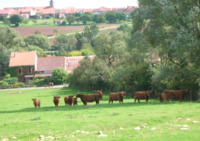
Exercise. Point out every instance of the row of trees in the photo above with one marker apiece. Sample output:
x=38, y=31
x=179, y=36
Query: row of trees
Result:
x=111, y=17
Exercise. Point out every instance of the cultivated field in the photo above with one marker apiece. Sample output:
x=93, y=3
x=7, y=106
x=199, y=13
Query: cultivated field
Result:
x=50, y=30
x=154, y=121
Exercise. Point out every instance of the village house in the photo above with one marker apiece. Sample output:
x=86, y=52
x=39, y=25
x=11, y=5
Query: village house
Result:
x=27, y=65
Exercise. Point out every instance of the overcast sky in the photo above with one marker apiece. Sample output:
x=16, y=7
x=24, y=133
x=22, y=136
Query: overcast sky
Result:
x=68, y=3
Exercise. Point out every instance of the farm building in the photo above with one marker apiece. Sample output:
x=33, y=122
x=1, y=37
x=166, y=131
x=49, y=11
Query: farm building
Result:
x=27, y=65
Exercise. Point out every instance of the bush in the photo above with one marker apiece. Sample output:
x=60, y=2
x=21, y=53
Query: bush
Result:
x=4, y=85
x=11, y=80
x=64, y=23
x=40, y=81
x=60, y=76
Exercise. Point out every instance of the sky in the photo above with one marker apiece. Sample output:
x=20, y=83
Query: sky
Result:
x=69, y=3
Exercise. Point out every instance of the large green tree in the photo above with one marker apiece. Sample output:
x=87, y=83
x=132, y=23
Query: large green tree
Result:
x=16, y=19
x=172, y=28
x=9, y=40
x=65, y=43
x=71, y=19
x=111, y=16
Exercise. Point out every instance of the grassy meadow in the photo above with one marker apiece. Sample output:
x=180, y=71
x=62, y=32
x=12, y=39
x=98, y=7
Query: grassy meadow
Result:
x=19, y=120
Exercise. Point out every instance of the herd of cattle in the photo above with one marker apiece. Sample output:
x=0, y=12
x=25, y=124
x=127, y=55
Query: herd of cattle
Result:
x=72, y=100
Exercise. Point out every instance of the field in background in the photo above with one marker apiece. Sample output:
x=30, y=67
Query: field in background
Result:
x=153, y=121
x=50, y=30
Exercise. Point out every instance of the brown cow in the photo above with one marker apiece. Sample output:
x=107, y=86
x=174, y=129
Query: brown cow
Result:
x=116, y=97
x=142, y=95
x=51, y=84
x=56, y=100
x=36, y=102
x=70, y=100
x=162, y=97
x=90, y=97
x=177, y=94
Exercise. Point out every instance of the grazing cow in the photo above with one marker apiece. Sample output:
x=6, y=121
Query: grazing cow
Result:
x=162, y=97
x=36, y=102
x=70, y=100
x=116, y=97
x=51, y=84
x=177, y=94
x=90, y=97
x=142, y=95
x=56, y=100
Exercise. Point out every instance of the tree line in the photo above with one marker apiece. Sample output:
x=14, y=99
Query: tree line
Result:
x=78, y=18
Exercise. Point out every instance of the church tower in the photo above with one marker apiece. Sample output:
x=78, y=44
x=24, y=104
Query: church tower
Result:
x=51, y=3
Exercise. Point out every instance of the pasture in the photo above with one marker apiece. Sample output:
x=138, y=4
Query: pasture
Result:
x=155, y=121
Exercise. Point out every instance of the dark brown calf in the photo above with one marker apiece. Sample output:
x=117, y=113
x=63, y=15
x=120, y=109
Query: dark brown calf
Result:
x=116, y=97
x=56, y=100
x=177, y=94
x=90, y=97
x=36, y=102
x=142, y=95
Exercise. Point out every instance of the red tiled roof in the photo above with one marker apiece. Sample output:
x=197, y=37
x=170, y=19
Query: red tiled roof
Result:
x=3, y=12
x=68, y=10
x=23, y=58
x=50, y=63
x=73, y=62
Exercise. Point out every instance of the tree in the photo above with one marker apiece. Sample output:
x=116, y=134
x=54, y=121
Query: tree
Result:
x=2, y=17
x=59, y=76
x=124, y=28
x=99, y=18
x=86, y=17
x=172, y=29
x=9, y=40
x=38, y=40
x=121, y=16
x=71, y=19
x=91, y=32
x=65, y=43
x=111, y=17
x=16, y=19
x=110, y=47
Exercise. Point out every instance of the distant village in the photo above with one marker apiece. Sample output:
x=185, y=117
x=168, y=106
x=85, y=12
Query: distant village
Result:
x=50, y=10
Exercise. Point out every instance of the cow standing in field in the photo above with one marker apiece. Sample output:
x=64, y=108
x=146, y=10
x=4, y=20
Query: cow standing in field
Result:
x=142, y=95
x=56, y=100
x=90, y=97
x=36, y=102
x=176, y=94
x=116, y=97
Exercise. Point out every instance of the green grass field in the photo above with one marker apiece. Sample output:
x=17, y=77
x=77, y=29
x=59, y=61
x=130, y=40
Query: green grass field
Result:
x=155, y=121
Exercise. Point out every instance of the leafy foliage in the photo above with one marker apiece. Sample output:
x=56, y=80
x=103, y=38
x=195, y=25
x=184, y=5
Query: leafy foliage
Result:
x=59, y=76
x=38, y=40
x=16, y=19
